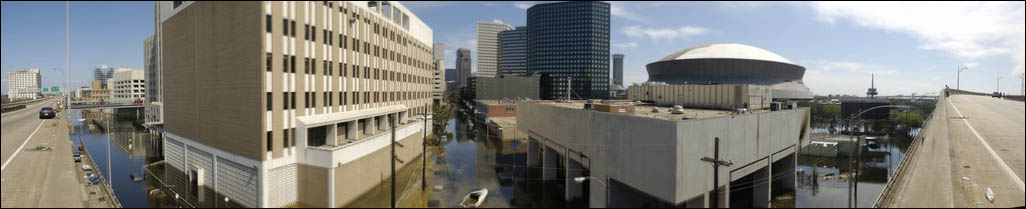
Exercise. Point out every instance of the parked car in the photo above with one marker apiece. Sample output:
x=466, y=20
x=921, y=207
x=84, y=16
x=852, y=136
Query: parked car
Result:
x=47, y=113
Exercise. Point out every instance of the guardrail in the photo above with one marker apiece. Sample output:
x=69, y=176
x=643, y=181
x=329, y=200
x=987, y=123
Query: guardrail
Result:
x=899, y=173
x=96, y=169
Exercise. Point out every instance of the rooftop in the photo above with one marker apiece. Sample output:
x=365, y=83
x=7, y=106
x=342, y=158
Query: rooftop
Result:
x=645, y=110
x=726, y=51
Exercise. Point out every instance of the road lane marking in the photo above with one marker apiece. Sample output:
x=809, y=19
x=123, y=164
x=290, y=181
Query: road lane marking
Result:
x=1001, y=162
x=22, y=146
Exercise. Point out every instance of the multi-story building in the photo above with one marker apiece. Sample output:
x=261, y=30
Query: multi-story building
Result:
x=103, y=73
x=439, y=51
x=513, y=52
x=569, y=42
x=488, y=46
x=438, y=92
x=504, y=87
x=24, y=84
x=154, y=99
x=618, y=69
x=277, y=104
x=463, y=65
x=128, y=84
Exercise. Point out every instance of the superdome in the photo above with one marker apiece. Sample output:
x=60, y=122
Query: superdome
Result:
x=731, y=64
x=726, y=51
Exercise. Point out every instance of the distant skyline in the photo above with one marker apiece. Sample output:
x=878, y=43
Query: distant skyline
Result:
x=912, y=47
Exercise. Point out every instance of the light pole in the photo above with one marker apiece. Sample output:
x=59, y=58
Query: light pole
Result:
x=958, y=82
x=853, y=195
x=998, y=85
x=581, y=179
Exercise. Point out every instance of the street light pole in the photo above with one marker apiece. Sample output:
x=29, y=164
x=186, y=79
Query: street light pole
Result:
x=853, y=195
x=958, y=82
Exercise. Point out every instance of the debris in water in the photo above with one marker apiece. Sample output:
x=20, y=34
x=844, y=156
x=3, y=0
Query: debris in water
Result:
x=965, y=178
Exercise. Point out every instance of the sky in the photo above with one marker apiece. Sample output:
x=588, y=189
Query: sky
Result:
x=911, y=47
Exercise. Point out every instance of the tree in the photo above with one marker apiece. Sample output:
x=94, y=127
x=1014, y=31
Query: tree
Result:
x=442, y=114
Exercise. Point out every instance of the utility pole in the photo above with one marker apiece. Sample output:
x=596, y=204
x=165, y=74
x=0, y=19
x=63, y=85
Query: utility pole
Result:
x=999, y=85
x=423, y=157
x=391, y=123
x=716, y=162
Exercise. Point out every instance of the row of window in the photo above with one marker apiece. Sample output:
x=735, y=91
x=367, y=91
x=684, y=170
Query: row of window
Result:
x=289, y=98
x=287, y=139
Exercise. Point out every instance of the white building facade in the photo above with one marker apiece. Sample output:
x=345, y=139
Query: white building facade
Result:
x=23, y=84
x=128, y=85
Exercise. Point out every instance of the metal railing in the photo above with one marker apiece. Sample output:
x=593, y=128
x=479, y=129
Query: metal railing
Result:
x=96, y=169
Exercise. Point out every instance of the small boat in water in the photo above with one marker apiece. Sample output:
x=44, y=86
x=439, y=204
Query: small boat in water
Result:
x=474, y=199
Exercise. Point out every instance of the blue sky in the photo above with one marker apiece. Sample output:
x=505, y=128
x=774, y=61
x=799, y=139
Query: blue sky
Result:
x=911, y=47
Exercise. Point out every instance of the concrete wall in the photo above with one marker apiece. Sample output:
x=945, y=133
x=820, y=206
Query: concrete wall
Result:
x=648, y=154
x=506, y=87
x=724, y=97
x=206, y=36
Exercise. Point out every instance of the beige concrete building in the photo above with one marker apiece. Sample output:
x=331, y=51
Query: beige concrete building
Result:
x=279, y=104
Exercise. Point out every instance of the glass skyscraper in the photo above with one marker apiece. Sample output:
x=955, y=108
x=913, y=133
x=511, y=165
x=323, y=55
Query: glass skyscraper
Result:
x=569, y=41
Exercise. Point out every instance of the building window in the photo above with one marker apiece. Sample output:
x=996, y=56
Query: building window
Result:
x=293, y=63
x=285, y=138
x=293, y=27
x=270, y=100
x=293, y=104
x=306, y=103
x=285, y=100
x=284, y=27
x=285, y=63
x=268, y=24
x=176, y=4
x=270, y=141
x=313, y=33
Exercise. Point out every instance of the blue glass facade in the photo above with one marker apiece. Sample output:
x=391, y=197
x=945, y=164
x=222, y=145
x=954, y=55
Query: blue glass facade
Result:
x=570, y=41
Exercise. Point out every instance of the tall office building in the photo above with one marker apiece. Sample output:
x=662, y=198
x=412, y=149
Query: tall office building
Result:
x=24, y=84
x=569, y=42
x=463, y=65
x=280, y=104
x=153, y=101
x=103, y=73
x=618, y=69
x=488, y=46
x=513, y=51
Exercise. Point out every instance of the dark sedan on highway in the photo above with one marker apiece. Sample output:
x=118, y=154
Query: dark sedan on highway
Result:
x=47, y=113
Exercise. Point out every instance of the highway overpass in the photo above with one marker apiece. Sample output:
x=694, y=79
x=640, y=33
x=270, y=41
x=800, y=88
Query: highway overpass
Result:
x=972, y=145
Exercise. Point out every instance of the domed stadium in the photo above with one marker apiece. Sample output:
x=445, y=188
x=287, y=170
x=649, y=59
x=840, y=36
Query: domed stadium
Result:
x=731, y=64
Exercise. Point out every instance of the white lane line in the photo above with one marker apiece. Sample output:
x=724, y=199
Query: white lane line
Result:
x=21, y=147
x=1000, y=161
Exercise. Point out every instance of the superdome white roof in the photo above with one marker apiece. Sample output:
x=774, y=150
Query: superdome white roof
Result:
x=726, y=51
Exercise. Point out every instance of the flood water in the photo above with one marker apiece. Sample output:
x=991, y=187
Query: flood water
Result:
x=131, y=148
x=467, y=161
x=823, y=181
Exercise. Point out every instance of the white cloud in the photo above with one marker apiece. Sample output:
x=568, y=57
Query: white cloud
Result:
x=664, y=33
x=625, y=46
x=619, y=9
x=854, y=78
x=523, y=5
x=850, y=67
x=967, y=30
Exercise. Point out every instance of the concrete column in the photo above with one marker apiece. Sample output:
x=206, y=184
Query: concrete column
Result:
x=353, y=130
x=549, y=164
x=331, y=138
x=368, y=126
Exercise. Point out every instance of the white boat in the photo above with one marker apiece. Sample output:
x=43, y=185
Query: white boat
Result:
x=474, y=199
